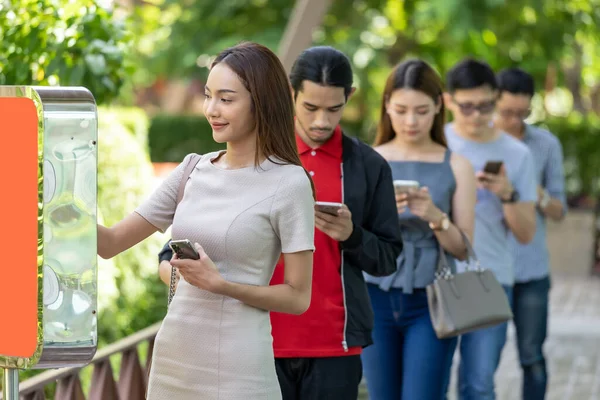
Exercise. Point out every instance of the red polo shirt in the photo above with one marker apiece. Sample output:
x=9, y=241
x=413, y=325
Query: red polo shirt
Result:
x=318, y=332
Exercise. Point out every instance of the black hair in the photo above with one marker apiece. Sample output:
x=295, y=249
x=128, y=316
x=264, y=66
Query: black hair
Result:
x=515, y=81
x=323, y=65
x=470, y=74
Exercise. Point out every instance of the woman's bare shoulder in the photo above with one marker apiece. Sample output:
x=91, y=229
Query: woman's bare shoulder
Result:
x=461, y=165
x=384, y=150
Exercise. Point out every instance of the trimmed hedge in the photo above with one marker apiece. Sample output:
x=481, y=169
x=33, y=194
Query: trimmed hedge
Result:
x=580, y=138
x=172, y=137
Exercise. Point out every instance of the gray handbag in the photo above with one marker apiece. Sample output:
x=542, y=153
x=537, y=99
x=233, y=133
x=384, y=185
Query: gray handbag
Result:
x=466, y=301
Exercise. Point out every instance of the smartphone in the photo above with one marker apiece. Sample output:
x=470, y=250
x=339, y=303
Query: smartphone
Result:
x=328, y=208
x=492, y=167
x=184, y=249
x=401, y=186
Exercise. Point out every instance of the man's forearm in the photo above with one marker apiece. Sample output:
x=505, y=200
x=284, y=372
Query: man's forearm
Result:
x=520, y=218
x=554, y=209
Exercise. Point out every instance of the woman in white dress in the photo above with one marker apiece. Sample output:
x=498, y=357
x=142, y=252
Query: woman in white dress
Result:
x=242, y=208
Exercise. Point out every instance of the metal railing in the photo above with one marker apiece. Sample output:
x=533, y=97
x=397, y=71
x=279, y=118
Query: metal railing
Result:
x=131, y=384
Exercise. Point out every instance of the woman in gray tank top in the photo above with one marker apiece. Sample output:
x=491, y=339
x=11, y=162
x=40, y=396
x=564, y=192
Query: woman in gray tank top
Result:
x=408, y=361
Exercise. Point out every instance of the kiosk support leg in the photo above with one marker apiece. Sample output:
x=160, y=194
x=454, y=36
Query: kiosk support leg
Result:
x=10, y=384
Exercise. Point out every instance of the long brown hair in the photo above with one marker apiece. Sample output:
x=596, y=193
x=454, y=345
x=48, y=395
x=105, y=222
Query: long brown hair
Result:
x=264, y=77
x=415, y=75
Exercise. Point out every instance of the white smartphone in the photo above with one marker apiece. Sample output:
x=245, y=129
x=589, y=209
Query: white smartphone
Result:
x=401, y=186
x=328, y=207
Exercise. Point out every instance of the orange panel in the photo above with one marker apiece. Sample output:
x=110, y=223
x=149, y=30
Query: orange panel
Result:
x=18, y=227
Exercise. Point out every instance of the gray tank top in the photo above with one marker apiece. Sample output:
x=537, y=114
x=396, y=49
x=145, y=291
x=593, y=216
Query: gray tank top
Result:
x=419, y=257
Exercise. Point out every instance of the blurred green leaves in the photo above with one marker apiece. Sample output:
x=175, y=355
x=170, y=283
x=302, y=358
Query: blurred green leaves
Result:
x=180, y=35
x=177, y=38
x=74, y=43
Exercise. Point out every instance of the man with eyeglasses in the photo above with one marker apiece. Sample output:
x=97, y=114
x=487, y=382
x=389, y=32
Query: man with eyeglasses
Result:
x=506, y=197
x=532, y=261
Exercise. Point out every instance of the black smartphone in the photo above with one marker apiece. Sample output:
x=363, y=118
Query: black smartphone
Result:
x=492, y=167
x=184, y=249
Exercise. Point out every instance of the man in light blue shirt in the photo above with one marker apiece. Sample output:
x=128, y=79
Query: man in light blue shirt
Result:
x=532, y=263
x=506, y=199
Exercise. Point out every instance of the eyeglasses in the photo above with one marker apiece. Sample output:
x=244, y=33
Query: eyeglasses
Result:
x=468, y=109
x=519, y=114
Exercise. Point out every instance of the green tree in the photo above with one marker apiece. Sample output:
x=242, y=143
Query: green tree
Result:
x=551, y=39
x=539, y=35
x=555, y=40
x=179, y=38
x=71, y=43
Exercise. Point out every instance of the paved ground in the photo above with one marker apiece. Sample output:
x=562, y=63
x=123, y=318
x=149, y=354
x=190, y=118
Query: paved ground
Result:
x=572, y=349
x=573, y=346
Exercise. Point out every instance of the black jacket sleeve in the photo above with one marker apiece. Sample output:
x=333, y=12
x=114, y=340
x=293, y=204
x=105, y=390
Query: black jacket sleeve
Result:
x=376, y=244
x=166, y=253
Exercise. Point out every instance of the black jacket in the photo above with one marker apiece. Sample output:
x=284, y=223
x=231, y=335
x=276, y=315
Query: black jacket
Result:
x=375, y=242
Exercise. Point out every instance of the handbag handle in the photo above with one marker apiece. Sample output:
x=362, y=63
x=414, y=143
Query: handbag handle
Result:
x=443, y=270
x=191, y=164
x=472, y=259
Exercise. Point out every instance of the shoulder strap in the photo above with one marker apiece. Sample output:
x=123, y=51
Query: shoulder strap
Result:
x=447, y=155
x=191, y=164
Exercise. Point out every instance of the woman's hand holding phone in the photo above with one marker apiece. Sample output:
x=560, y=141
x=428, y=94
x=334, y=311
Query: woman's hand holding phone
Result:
x=420, y=204
x=202, y=273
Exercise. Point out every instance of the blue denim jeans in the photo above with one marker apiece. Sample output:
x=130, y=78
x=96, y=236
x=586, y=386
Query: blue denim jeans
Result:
x=530, y=307
x=407, y=361
x=480, y=353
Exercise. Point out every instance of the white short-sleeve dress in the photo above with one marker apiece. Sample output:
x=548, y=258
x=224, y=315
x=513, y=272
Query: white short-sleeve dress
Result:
x=211, y=346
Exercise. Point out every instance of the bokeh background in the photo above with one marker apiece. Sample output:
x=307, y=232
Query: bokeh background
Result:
x=146, y=62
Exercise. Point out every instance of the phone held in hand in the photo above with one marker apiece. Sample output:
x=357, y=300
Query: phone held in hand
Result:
x=492, y=167
x=184, y=249
x=402, y=186
x=328, y=207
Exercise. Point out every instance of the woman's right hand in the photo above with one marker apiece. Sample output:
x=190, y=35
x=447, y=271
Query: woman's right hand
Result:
x=420, y=204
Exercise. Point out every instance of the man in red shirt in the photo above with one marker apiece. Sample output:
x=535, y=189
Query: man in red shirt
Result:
x=317, y=354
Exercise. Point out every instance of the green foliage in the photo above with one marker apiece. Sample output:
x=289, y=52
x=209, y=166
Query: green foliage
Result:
x=580, y=138
x=132, y=118
x=533, y=34
x=537, y=35
x=182, y=36
x=377, y=34
x=132, y=296
x=71, y=43
x=172, y=137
